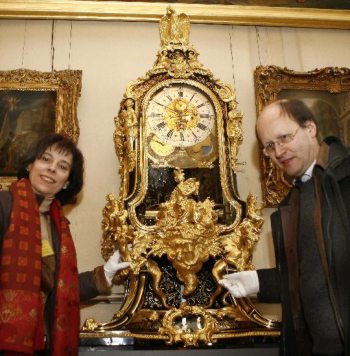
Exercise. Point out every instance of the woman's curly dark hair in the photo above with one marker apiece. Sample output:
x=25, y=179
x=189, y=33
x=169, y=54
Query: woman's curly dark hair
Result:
x=64, y=144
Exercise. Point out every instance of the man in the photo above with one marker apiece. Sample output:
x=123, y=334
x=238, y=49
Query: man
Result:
x=311, y=233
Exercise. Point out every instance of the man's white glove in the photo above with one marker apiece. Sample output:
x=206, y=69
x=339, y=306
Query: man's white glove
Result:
x=113, y=265
x=241, y=284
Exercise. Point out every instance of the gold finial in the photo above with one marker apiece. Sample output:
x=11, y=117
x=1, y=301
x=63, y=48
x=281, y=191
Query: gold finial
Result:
x=174, y=29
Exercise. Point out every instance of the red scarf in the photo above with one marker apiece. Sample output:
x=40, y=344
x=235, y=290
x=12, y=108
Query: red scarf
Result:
x=21, y=324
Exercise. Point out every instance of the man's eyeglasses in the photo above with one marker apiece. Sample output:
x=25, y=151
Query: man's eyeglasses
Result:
x=280, y=141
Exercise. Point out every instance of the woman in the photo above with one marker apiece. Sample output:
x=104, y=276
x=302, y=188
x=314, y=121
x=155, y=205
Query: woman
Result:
x=40, y=289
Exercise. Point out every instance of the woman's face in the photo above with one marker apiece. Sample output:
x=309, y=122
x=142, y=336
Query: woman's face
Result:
x=49, y=173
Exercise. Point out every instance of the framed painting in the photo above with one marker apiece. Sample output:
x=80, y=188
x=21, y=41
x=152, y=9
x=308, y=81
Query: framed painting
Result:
x=325, y=91
x=287, y=13
x=33, y=104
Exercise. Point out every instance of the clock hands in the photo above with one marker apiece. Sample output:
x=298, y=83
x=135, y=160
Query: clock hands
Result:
x=156, y=139
x=167, y=107
x=181, y=116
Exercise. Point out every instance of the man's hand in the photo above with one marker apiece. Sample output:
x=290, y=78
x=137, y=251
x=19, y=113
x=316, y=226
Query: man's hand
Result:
x=241, y=284
x=113, y=265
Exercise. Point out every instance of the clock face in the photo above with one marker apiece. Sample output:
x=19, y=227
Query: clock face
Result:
x=180, y=115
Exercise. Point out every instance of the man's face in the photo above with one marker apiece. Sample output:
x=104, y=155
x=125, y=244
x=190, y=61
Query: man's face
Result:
x=294, y=157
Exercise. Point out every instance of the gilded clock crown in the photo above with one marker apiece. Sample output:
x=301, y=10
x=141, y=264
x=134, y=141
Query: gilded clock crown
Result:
x=174, y=29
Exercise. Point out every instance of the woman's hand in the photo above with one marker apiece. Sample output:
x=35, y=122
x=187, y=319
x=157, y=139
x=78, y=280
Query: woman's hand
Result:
x=113, y=265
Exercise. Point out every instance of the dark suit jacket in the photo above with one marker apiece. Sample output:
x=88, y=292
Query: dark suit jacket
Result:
x=331, y=179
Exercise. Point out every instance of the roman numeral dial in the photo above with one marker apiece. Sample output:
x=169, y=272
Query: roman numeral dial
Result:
x=181, y=115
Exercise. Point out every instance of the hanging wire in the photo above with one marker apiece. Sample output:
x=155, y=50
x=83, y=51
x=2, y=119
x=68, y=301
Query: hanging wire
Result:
x=232, y=58
x=24, y=42
x=70, y=43
x=257, y=32
x=53, y=26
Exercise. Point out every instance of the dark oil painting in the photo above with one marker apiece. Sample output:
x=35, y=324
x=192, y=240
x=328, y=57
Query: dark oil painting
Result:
x=24, y=116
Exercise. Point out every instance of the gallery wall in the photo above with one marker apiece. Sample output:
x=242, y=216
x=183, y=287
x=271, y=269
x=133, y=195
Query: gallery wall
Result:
x=111, y=54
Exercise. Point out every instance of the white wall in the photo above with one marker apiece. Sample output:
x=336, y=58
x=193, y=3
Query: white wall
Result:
x=113, y=53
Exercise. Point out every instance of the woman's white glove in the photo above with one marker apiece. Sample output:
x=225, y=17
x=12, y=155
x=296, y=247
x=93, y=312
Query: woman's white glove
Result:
x=241, y=284
x=113, y=265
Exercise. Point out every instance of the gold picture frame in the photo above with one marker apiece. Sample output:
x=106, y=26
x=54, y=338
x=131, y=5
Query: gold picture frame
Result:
x=205, y=12
x=326, y=92
x=32, y=104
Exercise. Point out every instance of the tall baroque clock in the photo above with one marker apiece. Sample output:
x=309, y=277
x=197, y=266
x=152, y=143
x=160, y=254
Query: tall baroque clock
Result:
x=178, y=218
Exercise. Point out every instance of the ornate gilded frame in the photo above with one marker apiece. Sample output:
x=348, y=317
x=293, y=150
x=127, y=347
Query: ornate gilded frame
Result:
x=152, y=12
x=330, y=86
x=16, y=84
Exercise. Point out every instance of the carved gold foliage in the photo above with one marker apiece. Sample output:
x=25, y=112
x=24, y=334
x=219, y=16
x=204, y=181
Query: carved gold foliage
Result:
x=186, y=232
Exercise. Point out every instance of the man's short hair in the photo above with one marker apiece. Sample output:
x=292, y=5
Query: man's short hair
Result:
x=296, y=110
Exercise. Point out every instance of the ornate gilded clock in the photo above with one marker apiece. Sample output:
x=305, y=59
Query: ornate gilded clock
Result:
x=178, y=218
